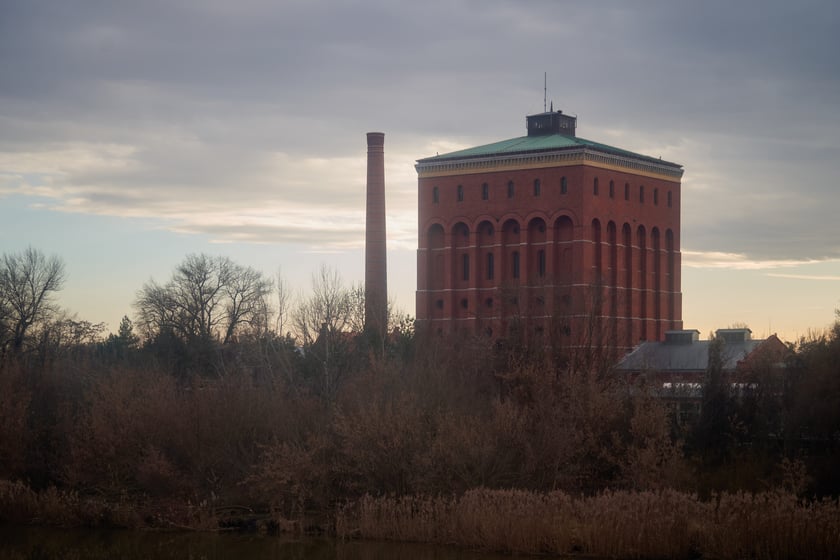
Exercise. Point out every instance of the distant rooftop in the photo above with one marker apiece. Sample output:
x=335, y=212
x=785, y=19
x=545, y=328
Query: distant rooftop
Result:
x=682, y=351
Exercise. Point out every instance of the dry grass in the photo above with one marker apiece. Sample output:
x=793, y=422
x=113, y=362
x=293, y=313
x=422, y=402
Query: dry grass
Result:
x=664, y=524
x=62, y=508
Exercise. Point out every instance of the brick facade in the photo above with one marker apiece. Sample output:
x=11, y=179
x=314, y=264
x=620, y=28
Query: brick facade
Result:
x=550, y=235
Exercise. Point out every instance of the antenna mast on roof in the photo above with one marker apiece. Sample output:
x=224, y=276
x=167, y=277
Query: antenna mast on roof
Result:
x=545, y=88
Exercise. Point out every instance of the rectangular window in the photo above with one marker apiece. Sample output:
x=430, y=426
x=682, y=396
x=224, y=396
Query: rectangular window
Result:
x=460, y=193
x=435, y=195
x=490, y=266
x=485, y=191
x=642, y=194
x=510, y=189
x=515, y=270
x=564, y=186
x=626, y=191
x=465, y=265
x=537, y=187
x=669, y=199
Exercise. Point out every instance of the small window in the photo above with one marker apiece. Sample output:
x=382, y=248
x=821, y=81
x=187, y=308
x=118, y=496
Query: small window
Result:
x=626, y=191
x=439, y=304
x=670, y=202
x=515, y=270
x=435, y=195
x=642, y=194
x=485, y=191
x=564, y=186
x=595, y=187
x=460, y=193
x=510, y=189
x=464, y=303
x=612, y=189
x=465, y=267
x=488, y=302
x=656, y=197
x=537, y=187
x=490, y=266
x=541, y=263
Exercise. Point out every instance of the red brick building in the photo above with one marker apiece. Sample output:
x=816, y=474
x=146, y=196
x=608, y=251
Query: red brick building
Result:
x=549, y=235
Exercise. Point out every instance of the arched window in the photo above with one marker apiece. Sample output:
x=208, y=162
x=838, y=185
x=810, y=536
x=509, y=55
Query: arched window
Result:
x=435, y=195
x=465, y=267
x=541, y=263
x=515, y=268
x=490, y=266
x=460, y=193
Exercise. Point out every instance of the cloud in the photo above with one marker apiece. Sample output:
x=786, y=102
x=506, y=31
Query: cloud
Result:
x=736, y=261
x=817, y=277
x=246, y=121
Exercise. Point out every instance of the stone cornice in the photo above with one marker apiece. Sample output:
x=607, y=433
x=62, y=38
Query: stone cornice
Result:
x=555, y=158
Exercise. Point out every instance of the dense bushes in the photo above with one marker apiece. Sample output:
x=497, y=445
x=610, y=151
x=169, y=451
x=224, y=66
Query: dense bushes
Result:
x=261, y=431
x=175, y=429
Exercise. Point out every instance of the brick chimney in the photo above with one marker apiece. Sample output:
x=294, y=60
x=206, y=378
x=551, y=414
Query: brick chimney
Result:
x=376, y=266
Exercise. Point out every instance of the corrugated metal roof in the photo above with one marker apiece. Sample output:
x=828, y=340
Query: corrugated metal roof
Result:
x=528, y=144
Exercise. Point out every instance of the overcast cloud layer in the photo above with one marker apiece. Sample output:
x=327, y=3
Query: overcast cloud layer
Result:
x=245, y=120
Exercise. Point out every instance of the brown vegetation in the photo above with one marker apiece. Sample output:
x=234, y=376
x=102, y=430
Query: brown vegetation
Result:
x=179, y=431
x=617, y=524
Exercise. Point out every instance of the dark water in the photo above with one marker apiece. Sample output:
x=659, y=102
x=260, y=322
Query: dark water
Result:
x=42, y=544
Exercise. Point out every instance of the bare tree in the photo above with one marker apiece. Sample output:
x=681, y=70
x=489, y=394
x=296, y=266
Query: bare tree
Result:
x=247, y=301
x=330, y=308
x=28, y=282
x=197, y=289
x=207, y=298
x=284, y=302
x=323, y=321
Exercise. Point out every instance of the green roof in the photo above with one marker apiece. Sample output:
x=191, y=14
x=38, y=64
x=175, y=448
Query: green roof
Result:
x=547, y=142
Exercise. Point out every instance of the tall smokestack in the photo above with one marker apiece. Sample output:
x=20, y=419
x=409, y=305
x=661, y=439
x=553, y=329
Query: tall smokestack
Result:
x=376, y=266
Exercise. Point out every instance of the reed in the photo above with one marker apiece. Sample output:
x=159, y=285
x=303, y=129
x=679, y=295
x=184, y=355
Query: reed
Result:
x=621, y=524
x=62, y=508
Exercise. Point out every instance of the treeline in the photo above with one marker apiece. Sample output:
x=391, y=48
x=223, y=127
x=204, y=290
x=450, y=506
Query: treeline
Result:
x=225, y=392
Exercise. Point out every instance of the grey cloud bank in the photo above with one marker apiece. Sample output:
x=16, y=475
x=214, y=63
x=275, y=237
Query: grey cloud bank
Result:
x=207, y=113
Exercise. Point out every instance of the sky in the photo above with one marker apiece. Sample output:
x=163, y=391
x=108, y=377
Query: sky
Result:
x=133, y=134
